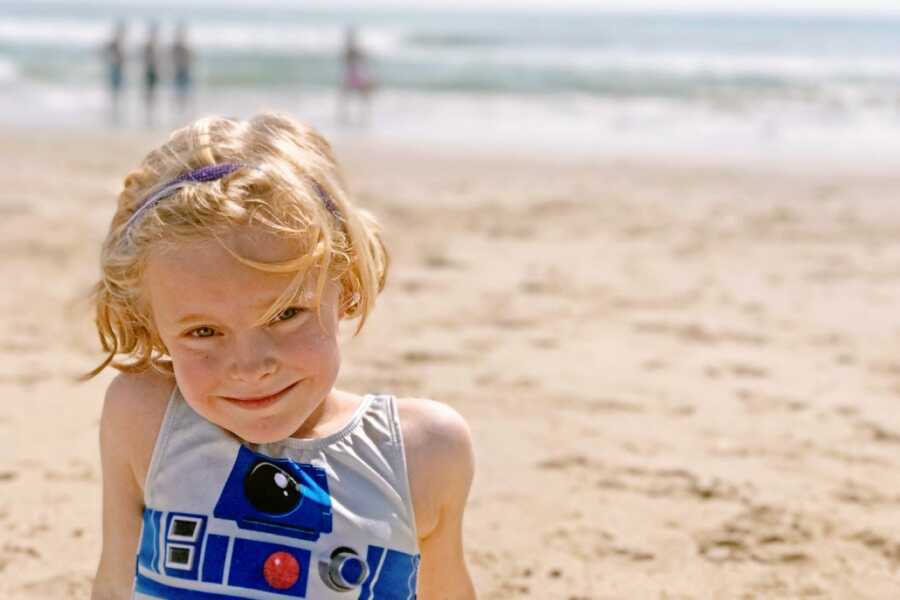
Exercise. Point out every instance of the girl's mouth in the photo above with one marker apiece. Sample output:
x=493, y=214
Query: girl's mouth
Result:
x=262, y=401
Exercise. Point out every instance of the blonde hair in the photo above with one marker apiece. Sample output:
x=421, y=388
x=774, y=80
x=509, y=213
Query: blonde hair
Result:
x=289, y=186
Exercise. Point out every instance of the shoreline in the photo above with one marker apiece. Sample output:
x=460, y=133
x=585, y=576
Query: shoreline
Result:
x=359, y=142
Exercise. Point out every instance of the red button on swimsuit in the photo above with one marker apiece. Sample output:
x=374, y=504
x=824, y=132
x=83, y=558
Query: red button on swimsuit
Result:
x=281, y=570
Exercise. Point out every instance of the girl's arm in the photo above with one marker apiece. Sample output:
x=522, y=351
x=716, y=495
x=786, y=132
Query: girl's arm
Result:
x=126, y=432
x=441, y=467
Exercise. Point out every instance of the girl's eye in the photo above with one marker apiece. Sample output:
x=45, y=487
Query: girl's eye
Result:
x=202, y=332
x=288, y=314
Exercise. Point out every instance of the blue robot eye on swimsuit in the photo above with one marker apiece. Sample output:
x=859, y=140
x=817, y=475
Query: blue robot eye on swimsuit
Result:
x=277, y=496
x=264, y=538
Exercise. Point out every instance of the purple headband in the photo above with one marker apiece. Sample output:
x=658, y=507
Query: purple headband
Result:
x=206, y=174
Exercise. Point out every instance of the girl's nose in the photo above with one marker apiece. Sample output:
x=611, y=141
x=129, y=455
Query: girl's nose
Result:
x=253, y=359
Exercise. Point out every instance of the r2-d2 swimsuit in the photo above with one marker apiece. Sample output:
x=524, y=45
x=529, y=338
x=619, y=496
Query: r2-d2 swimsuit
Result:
x=327, y=518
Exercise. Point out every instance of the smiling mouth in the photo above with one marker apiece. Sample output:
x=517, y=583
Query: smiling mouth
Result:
x=261, y=400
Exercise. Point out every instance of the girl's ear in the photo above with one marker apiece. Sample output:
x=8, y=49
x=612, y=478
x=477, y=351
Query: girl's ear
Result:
x=348, y=299
x=347, y=303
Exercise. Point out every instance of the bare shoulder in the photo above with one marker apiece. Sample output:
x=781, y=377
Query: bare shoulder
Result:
x=439, y=456
x=133, y=411
x=433, y=426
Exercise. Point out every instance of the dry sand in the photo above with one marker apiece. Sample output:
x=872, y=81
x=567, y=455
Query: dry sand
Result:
x=683, y=381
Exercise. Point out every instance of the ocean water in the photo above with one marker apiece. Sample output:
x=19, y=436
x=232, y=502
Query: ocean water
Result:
x=743, y=87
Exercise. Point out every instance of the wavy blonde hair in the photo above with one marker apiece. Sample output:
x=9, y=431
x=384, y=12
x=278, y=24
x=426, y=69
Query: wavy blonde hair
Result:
x=290, y=186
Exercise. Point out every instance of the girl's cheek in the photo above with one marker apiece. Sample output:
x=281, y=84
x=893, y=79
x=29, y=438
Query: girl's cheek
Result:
x=309, y=341
x=196, y=364
x=206, y=362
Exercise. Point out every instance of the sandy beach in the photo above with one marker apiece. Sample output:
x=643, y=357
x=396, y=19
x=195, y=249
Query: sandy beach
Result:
x=682, y=381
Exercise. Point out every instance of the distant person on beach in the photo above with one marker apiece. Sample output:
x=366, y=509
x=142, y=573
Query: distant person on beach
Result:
x=182, y=62
x=357, y=80
x=151, y=70
x=114, y=55
x=232, y=465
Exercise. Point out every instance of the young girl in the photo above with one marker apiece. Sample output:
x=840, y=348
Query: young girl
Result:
x=232, y=467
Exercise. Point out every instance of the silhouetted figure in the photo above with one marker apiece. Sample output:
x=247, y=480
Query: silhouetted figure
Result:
x=357, y=81
x=151, y=70
x=182, y=61
x=114, y=55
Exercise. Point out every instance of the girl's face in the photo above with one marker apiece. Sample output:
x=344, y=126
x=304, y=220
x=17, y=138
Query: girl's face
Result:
x=261, y=382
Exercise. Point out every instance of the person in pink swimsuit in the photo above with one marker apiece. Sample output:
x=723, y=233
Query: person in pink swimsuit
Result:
x=357, y=80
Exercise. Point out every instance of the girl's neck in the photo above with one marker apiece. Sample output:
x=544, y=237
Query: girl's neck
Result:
x=332, y=414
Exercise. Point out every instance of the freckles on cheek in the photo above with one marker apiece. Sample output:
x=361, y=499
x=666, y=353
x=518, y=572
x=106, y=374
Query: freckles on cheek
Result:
x=318, y=340
x=194, y=368
x=311, y=347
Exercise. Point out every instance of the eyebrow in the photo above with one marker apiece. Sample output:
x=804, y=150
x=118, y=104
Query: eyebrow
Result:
x=201, y=317
x=191, y=317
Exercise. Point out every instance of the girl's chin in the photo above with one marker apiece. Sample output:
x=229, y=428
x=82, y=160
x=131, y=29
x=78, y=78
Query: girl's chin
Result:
x=287, y=413
x=260, y=435
x=264, y=430
x=259, y=439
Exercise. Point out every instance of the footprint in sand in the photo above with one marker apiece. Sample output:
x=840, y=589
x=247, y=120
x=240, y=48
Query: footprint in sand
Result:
x=567, y=462
x=485, y=379
x=668, y=483
x=10, y=549
x=852, y=458
x=745, y=371
x=654, y=364
x=17, y=343
x=763, y=534
x=438, y=259
x=537, y=287
x=887, y=547
x=888, y=368
x=26, y=379
x=739, y=370
x=507, y=322
x=832, y=339
x=846, y=410
x=761, y=402
x=412, y=286
x=525, y=383
x=69, y=585
x=76, y=471
x=16, y=209
x=854, y=492
x=879, y=434
x=613, y=405
x=845, y=359
x=545, y=343
x=579, y=539
x=699, y=334
x=589, y=543
x=480, y=345
x=752, y=308
x=427, y=356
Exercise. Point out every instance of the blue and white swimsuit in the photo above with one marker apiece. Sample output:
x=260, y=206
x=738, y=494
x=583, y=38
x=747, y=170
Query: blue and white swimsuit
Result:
x=321, y=519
